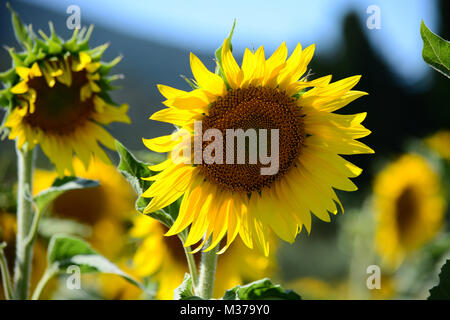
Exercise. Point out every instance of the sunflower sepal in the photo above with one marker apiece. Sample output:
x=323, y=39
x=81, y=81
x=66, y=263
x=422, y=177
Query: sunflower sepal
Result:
x=8, y=76
x=21, y=32
x=190, y=82
x=17, y=57
x=97, y=52
x=106, y=67
x=263, y=289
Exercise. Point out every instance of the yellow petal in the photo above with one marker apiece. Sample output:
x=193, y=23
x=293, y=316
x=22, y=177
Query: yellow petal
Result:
x=23, y=72
x=20, y=88
x=230, y=67
x=206, y=79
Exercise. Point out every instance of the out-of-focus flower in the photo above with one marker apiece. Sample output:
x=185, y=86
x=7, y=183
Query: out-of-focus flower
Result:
x=409, y=207
x=163, y=258
x=105, y=208
x=114, y=287
x=440, y=142
x=318, y=289
x=56, y=96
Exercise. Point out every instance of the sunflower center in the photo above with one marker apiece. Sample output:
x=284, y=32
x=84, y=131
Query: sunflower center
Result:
x=406, y=208
x=83, y=205
x=254, y=108
x=59, y=109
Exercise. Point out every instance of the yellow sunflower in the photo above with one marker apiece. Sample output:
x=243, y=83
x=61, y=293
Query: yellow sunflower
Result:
x=105, y=208
x=57, y=97
x=164, y=260
x=261, y=94
x=409, y=207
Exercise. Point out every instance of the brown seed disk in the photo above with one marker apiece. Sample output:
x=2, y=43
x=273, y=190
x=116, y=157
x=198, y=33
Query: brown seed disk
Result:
x=406, y=210
x=59, y=109
x=254, y=108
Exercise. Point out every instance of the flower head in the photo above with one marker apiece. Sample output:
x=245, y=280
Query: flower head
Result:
x=263, y=95
x=56, y=95
x=409, y=207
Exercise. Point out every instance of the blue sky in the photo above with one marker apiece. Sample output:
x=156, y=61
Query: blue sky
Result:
x=201, y=25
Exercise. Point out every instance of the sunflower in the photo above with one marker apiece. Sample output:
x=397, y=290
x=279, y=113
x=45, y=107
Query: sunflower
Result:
x=164, y=260
x=8, y=227
x=104, y=208
x=261, y=94
x=409, y=207
x=57, y=97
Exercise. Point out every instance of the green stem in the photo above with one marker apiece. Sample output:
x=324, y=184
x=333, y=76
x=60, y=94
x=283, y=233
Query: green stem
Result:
x=207, y=272
x=24, y=248
x=190, y=259
x=192, y=267
x=48, y=274
x=6, y=278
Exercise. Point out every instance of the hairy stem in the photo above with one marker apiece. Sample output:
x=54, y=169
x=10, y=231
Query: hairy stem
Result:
x=207, y=272
x=24, y=248
x=6, y=278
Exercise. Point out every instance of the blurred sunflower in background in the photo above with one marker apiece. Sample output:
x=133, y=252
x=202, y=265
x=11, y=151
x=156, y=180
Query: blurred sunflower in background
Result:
x=409, y=207
x=440, y=143
x=163, y=259
x=8, y=227
x=261, y=94
x=56, y=95
x=104, y=208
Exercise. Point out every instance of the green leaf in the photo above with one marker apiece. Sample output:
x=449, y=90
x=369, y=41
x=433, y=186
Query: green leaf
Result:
x=20, y=30
x=134, y=170
x=50, y=226
x=436, y=51
x=186, y=290
x=65, y=251
x=442, y=290
x=260, y=290
x=59, y=186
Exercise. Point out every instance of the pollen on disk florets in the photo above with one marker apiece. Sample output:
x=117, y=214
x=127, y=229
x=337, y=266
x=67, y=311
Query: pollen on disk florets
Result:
x=254, y=108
